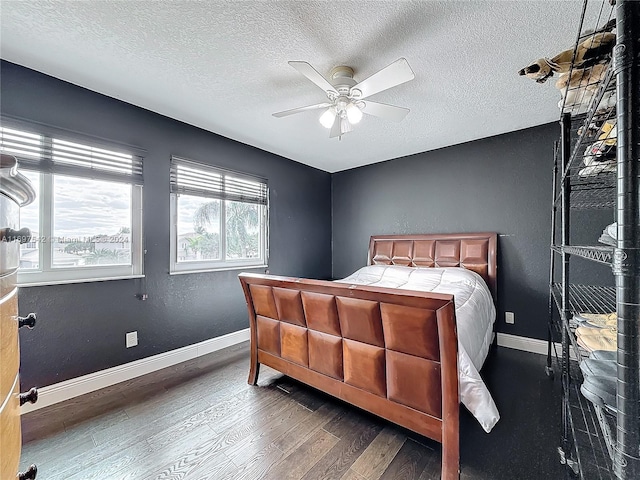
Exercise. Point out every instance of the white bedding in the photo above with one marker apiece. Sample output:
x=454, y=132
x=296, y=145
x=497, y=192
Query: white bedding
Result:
x=475, y=315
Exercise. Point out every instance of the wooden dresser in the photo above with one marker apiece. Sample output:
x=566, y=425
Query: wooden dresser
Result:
x=15, y=191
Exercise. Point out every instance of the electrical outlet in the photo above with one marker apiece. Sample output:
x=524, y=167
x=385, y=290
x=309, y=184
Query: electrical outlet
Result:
x=132, y=339
x=509, y=317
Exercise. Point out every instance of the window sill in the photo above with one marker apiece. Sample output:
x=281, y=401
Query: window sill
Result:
x=220, y=269
x=79, y=280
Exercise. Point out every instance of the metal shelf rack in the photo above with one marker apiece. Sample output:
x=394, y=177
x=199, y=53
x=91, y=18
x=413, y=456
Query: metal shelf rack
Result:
x=597, y=253
x=597, y=166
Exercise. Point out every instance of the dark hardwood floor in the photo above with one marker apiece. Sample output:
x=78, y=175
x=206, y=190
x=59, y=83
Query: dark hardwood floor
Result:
x=200, y=420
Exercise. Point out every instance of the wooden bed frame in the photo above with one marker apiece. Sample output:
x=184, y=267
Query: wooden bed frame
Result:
x=391, y=352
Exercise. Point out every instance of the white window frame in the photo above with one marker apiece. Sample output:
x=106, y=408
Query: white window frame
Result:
x=47, y=274
x=198, y=266
x=43, y=162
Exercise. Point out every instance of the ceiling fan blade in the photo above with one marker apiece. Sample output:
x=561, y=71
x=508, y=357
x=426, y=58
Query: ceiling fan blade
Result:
x=336, y=129
x=382, y=110
x=312, y=74
x=301, y=109
x=345, y=126
x=395, y=74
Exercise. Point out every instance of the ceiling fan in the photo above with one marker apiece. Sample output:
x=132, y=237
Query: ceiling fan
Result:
x=347, y=97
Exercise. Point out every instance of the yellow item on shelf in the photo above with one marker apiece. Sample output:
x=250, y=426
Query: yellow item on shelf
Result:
x=608, y=331
x=597, y=338
x=609, y=133
x=598, y=342
x=598, y=320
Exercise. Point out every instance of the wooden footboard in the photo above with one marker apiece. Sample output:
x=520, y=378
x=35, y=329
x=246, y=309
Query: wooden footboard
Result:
x=392, y=353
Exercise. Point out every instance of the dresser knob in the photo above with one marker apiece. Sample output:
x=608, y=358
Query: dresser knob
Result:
x=9, y=235
x=31, y=396
x=29, y=474
x=29, y=321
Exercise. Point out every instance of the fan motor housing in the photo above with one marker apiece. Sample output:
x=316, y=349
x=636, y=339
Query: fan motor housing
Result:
x=342, y=79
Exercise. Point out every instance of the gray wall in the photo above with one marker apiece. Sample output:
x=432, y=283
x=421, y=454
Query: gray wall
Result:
x=81, y=327
x=500, y=184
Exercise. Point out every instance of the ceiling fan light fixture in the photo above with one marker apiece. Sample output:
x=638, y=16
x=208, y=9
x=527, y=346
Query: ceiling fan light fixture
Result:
x=354, y=114
x=345, y=96
x=328, y=117
x=345, y=126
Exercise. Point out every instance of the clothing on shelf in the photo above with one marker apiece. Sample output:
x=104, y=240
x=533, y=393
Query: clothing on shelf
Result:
x=596, y=320
x=601, y=391
x=609, y=235
x=598, y=368
x=597, y=338
x=604, y=355
x=600, y=375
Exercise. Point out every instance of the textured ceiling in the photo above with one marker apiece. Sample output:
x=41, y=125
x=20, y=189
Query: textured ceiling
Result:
x=222, y=66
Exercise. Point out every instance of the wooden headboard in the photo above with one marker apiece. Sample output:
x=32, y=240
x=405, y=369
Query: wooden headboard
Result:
x=474, y=251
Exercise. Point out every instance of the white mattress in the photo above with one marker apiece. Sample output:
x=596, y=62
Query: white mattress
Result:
x=475, y=315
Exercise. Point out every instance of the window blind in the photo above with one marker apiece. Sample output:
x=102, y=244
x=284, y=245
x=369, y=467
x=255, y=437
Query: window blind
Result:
x=192, y=178
x=49, y=154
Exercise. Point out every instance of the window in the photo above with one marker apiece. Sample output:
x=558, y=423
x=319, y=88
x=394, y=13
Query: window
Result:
x=219, y=218
x=86, y=222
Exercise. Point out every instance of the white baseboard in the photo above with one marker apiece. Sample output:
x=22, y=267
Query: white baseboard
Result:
x=74, y=387
x=526, y=344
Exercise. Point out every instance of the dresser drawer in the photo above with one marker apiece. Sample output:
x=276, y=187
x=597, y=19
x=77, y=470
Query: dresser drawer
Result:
x=8, y=284
x=9, y=256
x=9, y=350
x=10, y=435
